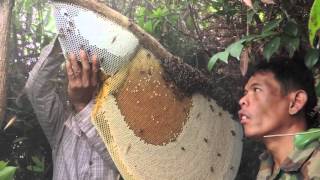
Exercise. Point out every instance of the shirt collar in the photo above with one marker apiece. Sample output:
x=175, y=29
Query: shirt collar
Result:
x=298, y=157
x=292, y=163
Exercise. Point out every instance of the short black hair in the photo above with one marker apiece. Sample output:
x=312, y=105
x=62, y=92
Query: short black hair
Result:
x=292, y=74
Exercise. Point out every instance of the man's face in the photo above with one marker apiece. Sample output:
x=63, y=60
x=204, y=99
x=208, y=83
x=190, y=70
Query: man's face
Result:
x=264, y=107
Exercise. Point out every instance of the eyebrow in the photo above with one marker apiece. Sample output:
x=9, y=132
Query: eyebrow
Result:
x=255, y=84
x=252, y=85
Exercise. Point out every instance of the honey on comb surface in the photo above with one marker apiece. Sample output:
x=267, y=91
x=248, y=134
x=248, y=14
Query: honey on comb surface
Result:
x=149, y=105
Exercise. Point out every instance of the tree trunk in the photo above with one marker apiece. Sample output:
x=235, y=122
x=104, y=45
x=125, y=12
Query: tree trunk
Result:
x=5, y=14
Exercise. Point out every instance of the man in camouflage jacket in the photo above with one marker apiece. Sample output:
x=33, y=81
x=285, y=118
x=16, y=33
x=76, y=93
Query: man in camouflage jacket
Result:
x=278, y=109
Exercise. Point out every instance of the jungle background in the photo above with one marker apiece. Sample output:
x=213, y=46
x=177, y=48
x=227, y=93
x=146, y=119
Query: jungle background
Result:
x=222, y=38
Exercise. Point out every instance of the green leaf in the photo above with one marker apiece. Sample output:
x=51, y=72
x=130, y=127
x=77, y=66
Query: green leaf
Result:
x=271, y=47
x=159, y=12
x=148, y=26
x=7, y=173
x=301, y=140
x=235, y=49
x=271, y=25
x=3, y=164
x=37, y=161
x=291, y=28
x=50, y=25
x=212, y=62
x=312, y=58
x=291, y=44
x=156, y=24
x=314, y=22
x=223, y=56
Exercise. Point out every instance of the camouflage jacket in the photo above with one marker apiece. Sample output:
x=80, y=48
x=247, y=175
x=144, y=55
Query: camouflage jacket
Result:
x=300, y=164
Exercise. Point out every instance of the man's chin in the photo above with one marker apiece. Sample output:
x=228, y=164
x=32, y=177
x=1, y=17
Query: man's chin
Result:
x=252, y=135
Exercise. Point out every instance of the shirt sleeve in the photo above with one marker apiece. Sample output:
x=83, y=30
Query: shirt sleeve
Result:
x=83, y=119
x=42, y=94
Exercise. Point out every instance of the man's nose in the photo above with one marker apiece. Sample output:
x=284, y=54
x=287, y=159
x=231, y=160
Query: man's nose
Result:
x=243, y=101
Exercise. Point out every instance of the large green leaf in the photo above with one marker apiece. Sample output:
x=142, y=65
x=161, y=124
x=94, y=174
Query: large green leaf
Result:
x=7, y=173
x=291, y=28
x=235, y=49
x=3, y=164
x=312, y=57
x=314, y=22
x=223, y=56
x=148, y=26
x=290, y=43
x=271, y=47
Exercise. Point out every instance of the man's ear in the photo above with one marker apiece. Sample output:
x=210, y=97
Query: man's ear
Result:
x=298, y=99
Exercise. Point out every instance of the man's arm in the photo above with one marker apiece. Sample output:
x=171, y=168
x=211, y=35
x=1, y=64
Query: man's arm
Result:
x=83, y=81
x=42, y=93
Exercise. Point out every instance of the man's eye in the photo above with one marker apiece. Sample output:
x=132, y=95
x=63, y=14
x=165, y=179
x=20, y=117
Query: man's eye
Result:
x=256, y=89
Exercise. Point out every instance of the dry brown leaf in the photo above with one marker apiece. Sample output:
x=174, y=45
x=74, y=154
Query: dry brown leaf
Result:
x=268, y=1
x=248, y=3
x=244, y=60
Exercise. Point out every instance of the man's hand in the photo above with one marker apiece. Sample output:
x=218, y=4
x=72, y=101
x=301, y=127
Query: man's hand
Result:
x=83, y=79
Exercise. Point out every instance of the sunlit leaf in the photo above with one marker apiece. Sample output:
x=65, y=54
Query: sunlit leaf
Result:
x=159, y=12
x=3, y=164
x=271, y=47
x=312, y=57
x=7, y=173
x=314, y=22
x=148, y=26
x=212, y=62
x=223, y=56
x=235, y=49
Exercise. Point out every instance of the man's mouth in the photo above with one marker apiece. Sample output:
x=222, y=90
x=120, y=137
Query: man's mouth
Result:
x=244, y=118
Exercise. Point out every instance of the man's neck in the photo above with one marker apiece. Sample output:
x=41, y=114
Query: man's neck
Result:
x=280, y=147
